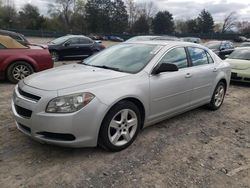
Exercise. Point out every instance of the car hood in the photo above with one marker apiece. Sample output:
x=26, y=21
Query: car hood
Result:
x=69, y=76
x=239, y=64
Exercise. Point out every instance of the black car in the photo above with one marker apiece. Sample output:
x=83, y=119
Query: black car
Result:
x=16, y=36
x=221, y=48
x=73, y=47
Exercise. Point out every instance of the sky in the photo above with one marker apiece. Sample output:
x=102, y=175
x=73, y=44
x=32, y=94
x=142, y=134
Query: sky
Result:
x=181, y=9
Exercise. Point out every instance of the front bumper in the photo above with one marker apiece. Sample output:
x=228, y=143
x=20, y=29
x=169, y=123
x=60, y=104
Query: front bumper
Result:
x=78, y=129
x=240, y=75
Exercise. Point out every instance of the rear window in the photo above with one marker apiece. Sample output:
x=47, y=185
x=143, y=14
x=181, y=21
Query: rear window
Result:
x=198, y=56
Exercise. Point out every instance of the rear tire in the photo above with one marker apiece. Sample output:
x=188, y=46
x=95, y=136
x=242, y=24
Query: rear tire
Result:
x=18, y=71
x=120, y=126
x=54, y=56
x=218, y=96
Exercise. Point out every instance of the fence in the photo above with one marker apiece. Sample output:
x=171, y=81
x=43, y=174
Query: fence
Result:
x=44, y=33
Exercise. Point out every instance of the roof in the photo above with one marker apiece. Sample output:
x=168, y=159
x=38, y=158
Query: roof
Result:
x=167, y=43
x=9, y=42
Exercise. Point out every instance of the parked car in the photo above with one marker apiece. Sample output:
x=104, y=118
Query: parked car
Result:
x=18, y=61
x=240, y=63
x=152, y=37
x=192, y=39
x=16, y=36
x=116, y=39
x=245, y=44
x=241, y=39
x=108, y=98
x=73, y=47
x=221, y=48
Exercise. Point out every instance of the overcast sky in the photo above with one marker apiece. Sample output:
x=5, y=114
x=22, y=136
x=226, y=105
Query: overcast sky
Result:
x=181, y=9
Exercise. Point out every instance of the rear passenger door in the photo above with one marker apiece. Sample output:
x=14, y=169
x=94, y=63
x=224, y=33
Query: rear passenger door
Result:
x=85, y=47
x=203, y=75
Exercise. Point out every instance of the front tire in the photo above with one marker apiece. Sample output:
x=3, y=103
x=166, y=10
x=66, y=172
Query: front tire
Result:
x=120, y=126
x=18, y=71
x=218, y=96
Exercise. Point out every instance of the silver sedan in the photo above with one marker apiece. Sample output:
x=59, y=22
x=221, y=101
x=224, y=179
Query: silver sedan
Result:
x=108, y=98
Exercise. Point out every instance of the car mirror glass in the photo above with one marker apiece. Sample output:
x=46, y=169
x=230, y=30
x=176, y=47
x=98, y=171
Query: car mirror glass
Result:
x=165, y=67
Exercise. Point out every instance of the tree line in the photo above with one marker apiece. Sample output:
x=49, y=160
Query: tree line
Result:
x=112, y=16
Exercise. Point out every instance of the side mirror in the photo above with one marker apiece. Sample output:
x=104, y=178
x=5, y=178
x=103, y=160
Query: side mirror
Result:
x=222, y=48
x=165, y=67
x=66, y=43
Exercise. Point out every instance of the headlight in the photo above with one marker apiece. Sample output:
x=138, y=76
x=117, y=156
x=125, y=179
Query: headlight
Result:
x=69, y=103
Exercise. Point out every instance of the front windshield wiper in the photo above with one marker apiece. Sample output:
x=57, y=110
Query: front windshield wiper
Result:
x=102, y=66
x=107, y=67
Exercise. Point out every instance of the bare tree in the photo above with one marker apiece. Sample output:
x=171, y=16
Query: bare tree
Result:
x=132, y=10
x=148, y=9
x=64, y=9
x=229, y=22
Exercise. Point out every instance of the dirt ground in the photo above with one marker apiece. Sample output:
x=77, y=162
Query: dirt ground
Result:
x=200, y=148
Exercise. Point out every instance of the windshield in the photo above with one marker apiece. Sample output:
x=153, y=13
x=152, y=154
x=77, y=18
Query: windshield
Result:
x=130, y=58
x=60, y=40
x=243, y=54
x=213, y=45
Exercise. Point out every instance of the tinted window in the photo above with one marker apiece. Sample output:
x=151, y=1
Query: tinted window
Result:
x=16, y=37
x=198, y=56
x=73, y=41
x=176, y=56
x=2, y=46
x=85, y=41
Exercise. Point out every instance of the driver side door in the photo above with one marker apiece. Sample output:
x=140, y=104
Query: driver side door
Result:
x=170, y=92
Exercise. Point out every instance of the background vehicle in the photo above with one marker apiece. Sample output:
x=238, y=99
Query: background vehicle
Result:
x=16, y=36
x=152, y=37
x=221, y=48
x=240, y=63
x=109, y=97
x=73, y=47
x=18, y=61
x=192, y=39
x=245, y=44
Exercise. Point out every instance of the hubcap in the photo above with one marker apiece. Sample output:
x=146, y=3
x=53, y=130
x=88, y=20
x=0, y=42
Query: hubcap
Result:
x=122, y=127
x=20, y=72
x=219, y=95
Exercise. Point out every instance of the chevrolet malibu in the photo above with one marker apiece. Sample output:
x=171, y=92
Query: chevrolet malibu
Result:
x=108, y=98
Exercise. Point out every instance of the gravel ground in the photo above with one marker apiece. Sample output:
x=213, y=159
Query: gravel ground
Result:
x=199, y=148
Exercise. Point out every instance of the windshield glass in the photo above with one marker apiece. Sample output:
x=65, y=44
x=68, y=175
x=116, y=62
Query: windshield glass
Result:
x=60, y=40
x=213, y=45
x=130, y=58
x=243, y=54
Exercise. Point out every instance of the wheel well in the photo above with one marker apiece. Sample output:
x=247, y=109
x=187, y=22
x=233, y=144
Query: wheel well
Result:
x=225, y=82
x=140, y=106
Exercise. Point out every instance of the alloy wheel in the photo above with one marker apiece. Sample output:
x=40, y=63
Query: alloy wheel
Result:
x=219, y=96
x=122, y=127
x=20, y=72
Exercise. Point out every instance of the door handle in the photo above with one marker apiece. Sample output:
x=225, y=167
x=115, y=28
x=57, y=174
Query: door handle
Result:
x=215, y=70
x=188, y=75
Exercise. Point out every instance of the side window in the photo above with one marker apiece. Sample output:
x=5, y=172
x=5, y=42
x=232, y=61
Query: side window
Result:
x=74, y=41
x=210, y=59
x=84, y=41
x=176, y=56
x=2, y=46
x=198, y=56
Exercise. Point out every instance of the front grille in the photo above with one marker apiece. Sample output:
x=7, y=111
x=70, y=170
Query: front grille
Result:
x=58, y=136
x=234, y=76
x=28, y=95
x=27, y=129
x=23, y=111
